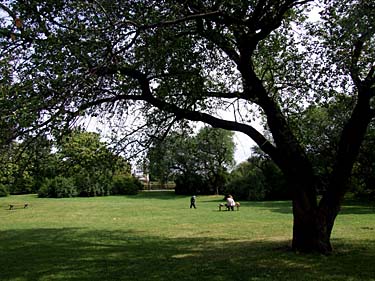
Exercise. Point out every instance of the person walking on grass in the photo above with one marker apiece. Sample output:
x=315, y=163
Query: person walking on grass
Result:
x=192, y=202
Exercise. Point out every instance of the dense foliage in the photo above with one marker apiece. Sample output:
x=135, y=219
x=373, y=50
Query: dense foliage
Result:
x=23, y=166
x=198, y=164
x=58, y=187
x=257, y=179
x=3, y=191
x=363, y=179
x=85, y=158
x=78, y=165
x=125, y=185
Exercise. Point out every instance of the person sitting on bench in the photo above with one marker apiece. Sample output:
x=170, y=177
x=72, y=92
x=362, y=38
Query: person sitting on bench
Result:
x=230, y=203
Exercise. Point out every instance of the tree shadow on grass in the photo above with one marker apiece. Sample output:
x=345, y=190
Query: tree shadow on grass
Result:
x=78, y=254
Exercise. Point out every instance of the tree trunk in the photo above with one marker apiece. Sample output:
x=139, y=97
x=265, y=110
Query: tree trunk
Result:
x=312, y=228
x=312, y=223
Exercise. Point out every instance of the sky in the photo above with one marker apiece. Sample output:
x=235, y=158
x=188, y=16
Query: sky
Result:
x=243, y=147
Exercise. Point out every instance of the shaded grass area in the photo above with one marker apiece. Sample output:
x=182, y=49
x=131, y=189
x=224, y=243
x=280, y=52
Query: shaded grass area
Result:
x=73, y=254
x=155, y=236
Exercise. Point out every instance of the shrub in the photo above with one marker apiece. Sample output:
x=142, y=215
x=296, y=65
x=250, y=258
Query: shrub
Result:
x=125, y=185
x=91, y=185
x=58, y=187
x=3, y=190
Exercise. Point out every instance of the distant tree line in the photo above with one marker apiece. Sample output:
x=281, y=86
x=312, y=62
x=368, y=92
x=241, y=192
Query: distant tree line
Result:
x=79, y=164
x=203, y=164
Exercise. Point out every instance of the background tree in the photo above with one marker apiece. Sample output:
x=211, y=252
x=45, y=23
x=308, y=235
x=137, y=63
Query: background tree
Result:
x=198, y=163
x=246, y=182
x=364, y=171
x=257, y=179
x=25, y=165
x=84, y=166
x=162, y=155
x=8, y=167
x=216, y=154
x=189, y=60
x=86, y=159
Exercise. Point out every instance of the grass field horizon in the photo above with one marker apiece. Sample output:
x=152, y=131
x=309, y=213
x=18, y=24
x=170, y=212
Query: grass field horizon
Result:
x=155, y=236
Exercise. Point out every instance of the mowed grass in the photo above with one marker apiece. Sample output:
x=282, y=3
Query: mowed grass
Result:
x=155, y=236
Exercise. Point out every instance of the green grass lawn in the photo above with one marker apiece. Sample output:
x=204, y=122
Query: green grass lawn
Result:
x=155, y=236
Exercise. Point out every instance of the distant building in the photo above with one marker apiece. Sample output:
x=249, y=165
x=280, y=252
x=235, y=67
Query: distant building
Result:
x=140, y=175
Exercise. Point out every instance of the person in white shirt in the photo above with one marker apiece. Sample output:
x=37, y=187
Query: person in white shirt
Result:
x=230, y=203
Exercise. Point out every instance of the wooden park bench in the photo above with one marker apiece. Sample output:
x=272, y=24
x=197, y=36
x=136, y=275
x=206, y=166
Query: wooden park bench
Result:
x=222, y=205
x=13, y=206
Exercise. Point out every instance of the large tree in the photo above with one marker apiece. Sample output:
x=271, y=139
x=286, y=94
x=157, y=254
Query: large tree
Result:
x=191, y=60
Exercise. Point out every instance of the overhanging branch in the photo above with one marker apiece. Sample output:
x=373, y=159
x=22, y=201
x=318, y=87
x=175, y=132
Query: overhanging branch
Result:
x=215, y=122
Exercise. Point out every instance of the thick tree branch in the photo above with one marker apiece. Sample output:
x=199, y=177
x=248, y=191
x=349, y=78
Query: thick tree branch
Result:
x=181, y=113
x=263, y=143
x=181, y=20
x=9, y=11
x=354, y=72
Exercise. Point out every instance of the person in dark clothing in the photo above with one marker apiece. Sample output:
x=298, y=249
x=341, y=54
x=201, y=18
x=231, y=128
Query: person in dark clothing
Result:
x=192, y=202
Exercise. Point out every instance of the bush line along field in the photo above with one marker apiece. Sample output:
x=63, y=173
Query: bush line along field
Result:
x=155, y=236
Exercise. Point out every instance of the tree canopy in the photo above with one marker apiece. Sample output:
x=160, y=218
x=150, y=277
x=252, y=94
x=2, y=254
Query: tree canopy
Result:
x=176, y=60
x=206, y=157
